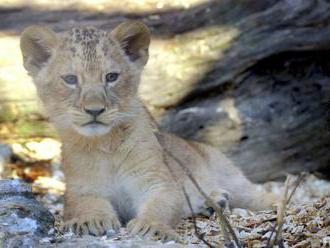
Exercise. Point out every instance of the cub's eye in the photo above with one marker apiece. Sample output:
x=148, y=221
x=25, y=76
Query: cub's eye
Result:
x=70, y=79
x=111, y=77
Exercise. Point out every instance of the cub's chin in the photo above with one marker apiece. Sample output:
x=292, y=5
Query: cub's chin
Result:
x=93, y=129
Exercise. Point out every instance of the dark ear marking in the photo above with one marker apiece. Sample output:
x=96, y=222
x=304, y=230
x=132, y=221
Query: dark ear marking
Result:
x=132, y=56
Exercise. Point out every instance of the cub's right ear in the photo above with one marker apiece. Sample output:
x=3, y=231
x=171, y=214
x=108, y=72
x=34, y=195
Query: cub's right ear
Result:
x=37, y=43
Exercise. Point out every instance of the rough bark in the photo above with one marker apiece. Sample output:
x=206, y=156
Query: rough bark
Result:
x=266, y=100
x=251, y=77
x=23, y=220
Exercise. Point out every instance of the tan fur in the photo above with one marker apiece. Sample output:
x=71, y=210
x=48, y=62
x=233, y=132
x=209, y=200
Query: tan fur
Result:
x=119, y=172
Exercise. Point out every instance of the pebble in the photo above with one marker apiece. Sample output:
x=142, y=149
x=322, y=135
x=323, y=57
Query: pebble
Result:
x=111, y=233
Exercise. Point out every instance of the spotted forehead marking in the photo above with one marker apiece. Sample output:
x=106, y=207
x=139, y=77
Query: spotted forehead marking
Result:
x=85, y=35
x=88, y=43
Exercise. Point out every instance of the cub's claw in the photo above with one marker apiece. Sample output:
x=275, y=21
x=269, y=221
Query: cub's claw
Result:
x=146, y=228
x=91, y=225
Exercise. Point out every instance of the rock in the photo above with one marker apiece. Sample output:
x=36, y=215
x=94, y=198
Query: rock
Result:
x=5, y=154
x=23, y=220
x=21, y=241
x=35, y=151
x=89, y=241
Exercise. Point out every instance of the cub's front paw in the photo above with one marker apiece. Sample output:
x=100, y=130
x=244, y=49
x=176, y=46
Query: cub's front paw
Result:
x=145, y=228
x=96, y=225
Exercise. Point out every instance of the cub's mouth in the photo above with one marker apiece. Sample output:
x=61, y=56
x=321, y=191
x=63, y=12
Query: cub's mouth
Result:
x=93, y=128
x=94, y=123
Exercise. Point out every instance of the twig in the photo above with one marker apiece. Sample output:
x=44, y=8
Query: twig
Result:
x=198, y=234
x=209, y=202
x=296, y=185
x=281, y=213
x=282, y=209
x=271, y=236
x=223, y=230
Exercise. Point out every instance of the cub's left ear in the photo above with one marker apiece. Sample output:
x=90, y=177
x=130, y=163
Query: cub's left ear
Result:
x=134, y=39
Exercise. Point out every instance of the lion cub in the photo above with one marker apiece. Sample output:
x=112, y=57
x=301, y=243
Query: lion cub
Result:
x=117, y=166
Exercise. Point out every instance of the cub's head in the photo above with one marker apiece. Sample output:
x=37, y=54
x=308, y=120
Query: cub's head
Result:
x=87, y=78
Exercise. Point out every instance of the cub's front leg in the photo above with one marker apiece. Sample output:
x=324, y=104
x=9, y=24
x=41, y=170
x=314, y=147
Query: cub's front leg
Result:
x=157, y=213
x=88, y=214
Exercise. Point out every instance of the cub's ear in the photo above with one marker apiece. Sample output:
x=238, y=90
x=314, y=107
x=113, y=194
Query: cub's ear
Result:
x=37, y=43
x=134, y=39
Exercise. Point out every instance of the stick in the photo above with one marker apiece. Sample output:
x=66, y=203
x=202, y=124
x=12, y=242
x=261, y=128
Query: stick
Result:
x=281, y=211
x=296, y=184
x=209, y=202
x=198, y=234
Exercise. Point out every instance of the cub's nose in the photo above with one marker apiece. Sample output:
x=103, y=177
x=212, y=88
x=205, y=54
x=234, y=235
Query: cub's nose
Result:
x=95, y=111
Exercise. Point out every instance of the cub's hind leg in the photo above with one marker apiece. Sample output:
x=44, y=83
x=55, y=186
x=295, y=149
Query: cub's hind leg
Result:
x=249, y=195
x=219, y=197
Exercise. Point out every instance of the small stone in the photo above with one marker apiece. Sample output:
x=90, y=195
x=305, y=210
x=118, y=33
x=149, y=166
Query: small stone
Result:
x=110, y=233
x=14, y=187
x=5, y=154
x=51, y=231
x=45, y=240
x=201, y=224
x=267, y=235
x=5, y=151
